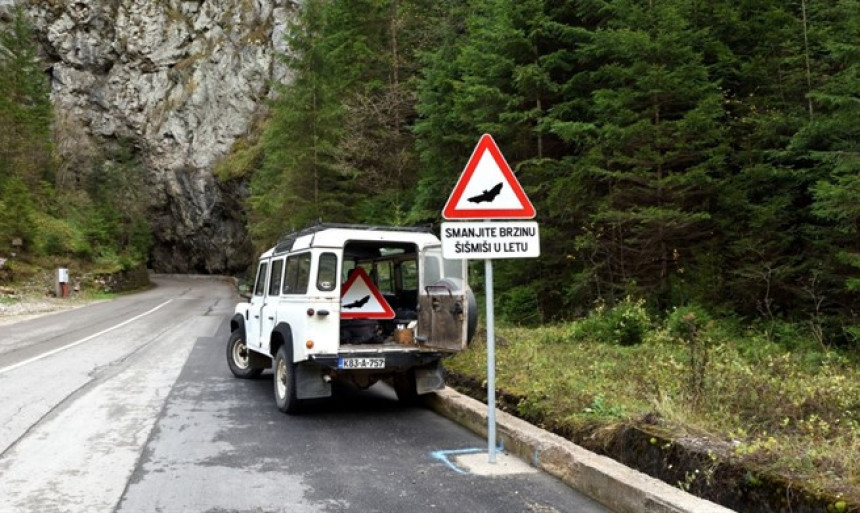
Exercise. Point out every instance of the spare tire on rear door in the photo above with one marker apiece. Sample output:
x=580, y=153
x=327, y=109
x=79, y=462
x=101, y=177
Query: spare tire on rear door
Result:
x=456, y=285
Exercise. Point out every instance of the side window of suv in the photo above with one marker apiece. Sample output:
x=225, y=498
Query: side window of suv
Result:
x=298, y=274
x=304, y=273
x=260, y=286
x=275, y=278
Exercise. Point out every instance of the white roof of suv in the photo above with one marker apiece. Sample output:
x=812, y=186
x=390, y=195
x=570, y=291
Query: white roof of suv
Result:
x=337, y=236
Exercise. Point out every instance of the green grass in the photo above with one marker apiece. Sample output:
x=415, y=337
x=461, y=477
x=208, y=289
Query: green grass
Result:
x=97, y=295
x=792, y=412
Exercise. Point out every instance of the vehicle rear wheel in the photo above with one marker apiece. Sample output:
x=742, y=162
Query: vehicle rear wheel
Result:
x=404, y=387
x=238, y=358
x=285, y=380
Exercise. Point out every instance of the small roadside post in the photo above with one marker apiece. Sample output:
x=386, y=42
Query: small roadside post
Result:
x=488, y=191
x=62, y=283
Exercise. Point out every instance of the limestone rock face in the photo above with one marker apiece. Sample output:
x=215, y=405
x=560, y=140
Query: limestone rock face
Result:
x=178, y=81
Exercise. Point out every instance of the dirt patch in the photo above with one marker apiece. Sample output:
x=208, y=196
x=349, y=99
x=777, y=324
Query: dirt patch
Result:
x=30, y=308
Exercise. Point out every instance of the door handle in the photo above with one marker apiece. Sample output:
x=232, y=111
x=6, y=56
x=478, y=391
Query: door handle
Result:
x=256, y=317
x=271, y=318
x=322, y=313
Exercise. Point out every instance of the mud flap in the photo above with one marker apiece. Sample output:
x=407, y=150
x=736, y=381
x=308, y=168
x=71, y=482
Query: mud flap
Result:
x=310, y=383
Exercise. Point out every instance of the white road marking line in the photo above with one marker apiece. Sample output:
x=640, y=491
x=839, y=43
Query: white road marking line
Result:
x=81, y=341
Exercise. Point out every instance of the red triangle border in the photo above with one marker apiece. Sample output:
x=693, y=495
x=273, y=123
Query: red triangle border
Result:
x=361, y=273
x=486, y=143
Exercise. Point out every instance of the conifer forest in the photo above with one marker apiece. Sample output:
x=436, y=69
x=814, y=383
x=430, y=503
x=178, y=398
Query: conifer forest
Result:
x=679, y=151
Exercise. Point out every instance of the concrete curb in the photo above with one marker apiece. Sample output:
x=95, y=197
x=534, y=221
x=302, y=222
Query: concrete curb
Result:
x=614, y=485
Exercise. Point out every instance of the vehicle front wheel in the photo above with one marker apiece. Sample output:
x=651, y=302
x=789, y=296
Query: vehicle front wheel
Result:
x=285, y=381
x=238, y=358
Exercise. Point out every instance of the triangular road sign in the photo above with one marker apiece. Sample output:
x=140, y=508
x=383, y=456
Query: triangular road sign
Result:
x=360, y=299
x=488, y=189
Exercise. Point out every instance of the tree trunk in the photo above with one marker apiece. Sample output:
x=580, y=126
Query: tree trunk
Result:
x=806, y=56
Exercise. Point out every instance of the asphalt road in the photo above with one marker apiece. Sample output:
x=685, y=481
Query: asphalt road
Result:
x=129, y=406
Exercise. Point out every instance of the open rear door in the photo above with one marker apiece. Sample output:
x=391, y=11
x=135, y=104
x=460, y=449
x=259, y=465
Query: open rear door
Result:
x=442, y=304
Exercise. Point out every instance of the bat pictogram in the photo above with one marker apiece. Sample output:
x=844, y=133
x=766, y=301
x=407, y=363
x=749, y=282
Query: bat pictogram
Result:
x=488, y=195
x=358, y=303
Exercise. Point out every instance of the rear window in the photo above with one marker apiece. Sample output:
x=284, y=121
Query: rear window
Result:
x=432, y=271
x=437, y=268
x=453, y=268
x=327, y=273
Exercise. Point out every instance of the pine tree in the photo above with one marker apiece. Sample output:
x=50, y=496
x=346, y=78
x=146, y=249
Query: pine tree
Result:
x=299, y=181
x=377, y=147
x=832, y=141
x=658, y=145
x=25, y=108
x=25, y=129
x=764, y=207
x=338, y=145
x=440, y=131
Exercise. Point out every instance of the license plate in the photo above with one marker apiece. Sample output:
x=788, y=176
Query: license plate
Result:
x=361, y=363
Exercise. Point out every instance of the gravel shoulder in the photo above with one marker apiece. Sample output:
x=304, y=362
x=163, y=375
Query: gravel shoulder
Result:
x=24, y=309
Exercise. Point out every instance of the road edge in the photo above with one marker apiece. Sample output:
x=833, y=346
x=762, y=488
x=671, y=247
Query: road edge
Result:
x=618, y=487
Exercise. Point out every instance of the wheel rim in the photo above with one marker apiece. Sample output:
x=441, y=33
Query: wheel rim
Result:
x=281, y=378
x=240, y=354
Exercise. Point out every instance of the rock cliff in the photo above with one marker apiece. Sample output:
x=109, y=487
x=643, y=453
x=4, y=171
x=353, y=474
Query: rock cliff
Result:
x=177, y=81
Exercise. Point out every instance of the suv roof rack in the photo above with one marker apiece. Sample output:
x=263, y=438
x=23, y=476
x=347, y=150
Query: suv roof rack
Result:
x=285, y=243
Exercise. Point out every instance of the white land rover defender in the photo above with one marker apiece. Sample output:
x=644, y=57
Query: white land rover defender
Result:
x=352, y=302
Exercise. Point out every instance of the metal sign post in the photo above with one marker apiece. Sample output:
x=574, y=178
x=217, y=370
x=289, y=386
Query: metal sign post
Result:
x=491, y=363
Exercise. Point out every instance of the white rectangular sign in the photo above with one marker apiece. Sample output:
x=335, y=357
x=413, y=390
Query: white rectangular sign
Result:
x=483, y=240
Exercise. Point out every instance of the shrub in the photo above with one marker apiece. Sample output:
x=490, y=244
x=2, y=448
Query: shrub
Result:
x=57, y=237
x=629, y=322
x=690, y=324
x=686, y=322
x=624, y=324
x=16, y=211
